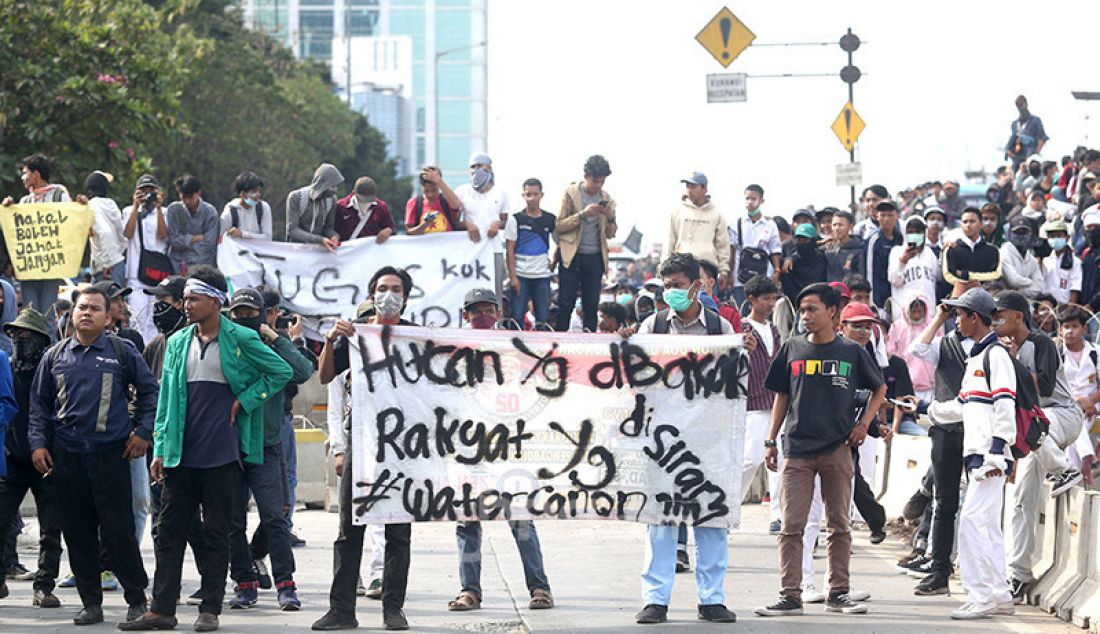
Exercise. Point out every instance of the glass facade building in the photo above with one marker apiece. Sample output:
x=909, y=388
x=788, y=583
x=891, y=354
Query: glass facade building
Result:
x=449, y=72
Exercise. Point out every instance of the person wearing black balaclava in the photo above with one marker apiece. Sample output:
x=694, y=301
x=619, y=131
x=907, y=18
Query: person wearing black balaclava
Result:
x=1090, y=261
x=807, y=263
x=1028, y=136
x=1019, y=267
x=30, y=338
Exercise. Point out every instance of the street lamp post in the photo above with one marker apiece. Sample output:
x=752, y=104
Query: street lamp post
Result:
x=435, y=95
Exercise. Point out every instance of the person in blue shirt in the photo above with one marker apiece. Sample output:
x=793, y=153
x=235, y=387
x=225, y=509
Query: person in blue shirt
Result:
x=81, y=434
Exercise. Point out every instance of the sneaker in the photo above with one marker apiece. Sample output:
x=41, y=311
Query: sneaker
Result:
x=68, y=582
x=19, y=572
x=360, y=589
x=136, y=611
x=264, y=577
x=775, y=527
x=374, y=590
x=716, y=613
x=196, y=598
x=1064, y=481
x=913, y=562
x=934, y=584
x=107, y=581
x=652, y=613
x=922, y=571
x=4, y=592
x=296, y=542
x=395, y=620
x=288, y=597
x=843, y=604
x=878, y=538
x=682, y=562
x=45, y=600
x=970, y=611
x=785, y=606
x=858, y=595
x=916, y=506
x=1019, y=590
x=1005, y=609
x=333, y=620
x=810, y=594
x=246, y=596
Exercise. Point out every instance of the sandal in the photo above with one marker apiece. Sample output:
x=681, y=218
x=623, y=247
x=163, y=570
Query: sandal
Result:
x=465, y=602
x=541, y=600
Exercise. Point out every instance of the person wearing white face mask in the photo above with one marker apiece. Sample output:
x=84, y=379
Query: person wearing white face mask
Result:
x=913, y=268
x=247, y=215
x=1062, y=268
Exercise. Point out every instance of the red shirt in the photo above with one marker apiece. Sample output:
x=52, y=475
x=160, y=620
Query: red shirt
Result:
x=438, y=224
x=347, y=218
x=732, y=315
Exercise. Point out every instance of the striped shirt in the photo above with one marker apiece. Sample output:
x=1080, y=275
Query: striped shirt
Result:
x=760, y=398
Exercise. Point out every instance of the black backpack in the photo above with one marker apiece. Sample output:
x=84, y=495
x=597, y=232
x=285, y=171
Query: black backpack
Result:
x=418, y=210
x=235, y=214
x=116, y=344
x=1032, y=425
x=710, y=318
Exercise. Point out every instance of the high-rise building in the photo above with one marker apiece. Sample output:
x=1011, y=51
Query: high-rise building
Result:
x=448, y=97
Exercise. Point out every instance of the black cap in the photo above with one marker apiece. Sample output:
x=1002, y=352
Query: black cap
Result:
x=1013, y=300
x=169, y=287
x=148, y=180
x=805, y=213
x=248, y=297
x=886, y=205
x=113, y=289
x=477, y=296
x=782, y=224
x=1020, y=221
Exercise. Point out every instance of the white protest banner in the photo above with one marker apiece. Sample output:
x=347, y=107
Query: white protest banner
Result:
x=327, y=286
x=454, y=424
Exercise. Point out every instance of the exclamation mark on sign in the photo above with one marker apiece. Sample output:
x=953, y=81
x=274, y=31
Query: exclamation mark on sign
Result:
x=724, y=25
x=848, y=125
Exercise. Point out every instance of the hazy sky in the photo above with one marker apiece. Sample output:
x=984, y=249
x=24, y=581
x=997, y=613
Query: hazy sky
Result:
x=626, y=79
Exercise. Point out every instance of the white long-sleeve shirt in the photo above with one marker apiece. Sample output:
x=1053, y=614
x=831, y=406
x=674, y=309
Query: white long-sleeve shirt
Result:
x=337, y=399
x=108, y=240
x=986, y=405
x=913, y=279
x=1021, y=272
x=246, y=217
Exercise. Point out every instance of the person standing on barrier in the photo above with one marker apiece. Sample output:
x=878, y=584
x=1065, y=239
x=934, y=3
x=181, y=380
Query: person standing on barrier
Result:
x=815, y=378
x=479, y=311
x=1038, y=354
x=389, y=289
x=948, y=353
x=986, y=407
x=685, y=315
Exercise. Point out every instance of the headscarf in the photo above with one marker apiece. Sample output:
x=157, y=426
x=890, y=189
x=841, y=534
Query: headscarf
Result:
x=199, y=287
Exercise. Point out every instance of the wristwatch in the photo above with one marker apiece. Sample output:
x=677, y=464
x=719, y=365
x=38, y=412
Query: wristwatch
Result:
x=768, y=444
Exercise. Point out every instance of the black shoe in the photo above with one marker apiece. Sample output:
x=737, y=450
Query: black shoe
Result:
x=136, y=611
x=262, y=575
x=877, y=538
x=912, y=563
x=297, y=542
x=4, y=592
x=933, y=584
x=652, y=613
x=148, y=622
x=682, y=562
x=843, y=604
x=333, y=620
x=916, y=505
x=716, y=613
x=1019, y=590
x=1064, y=481
x=45, y=600
x=785, y=606
x=90, y=615
x=395, y=620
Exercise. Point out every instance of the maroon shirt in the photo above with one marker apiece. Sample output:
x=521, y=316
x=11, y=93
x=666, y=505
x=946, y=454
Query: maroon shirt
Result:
x=347, y=218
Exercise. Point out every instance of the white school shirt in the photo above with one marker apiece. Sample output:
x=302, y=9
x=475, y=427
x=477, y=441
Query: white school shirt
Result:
x=152, y=242
x=483, y=208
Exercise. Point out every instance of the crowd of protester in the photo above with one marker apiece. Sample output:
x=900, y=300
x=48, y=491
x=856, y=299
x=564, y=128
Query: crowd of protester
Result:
x=906, y=314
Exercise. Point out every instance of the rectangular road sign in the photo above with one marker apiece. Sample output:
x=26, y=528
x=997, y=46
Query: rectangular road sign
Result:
x=849, y=174
x=726, y=88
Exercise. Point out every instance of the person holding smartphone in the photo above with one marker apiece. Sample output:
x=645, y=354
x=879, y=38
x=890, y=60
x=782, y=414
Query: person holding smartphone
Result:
x=913, y=270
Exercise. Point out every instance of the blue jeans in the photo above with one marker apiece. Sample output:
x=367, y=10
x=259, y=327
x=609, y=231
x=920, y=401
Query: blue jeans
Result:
x=711, y=559
x=530, y=553
x=265, y=482
x=139, y=485
x=290, y=461
x=909, y=427
x=536, y=290
x=118, y=274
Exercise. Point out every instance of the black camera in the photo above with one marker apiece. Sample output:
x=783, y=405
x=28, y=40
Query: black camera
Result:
x=150, y=200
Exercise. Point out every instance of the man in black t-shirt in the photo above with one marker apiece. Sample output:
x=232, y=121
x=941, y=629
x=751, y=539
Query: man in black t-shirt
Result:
x=815, y=378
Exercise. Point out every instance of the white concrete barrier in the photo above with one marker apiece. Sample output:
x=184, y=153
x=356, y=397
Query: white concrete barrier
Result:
x=1046, y=536
x=1081, y=541
x=899, y=469
x=1083, y=606
x=1064, y=575
x=311, y=467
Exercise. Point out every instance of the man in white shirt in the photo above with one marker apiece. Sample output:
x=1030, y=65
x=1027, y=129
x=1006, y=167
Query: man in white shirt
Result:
x=247, y=215
x=1062, y=268
x=1081, y=360
x=153, y=234
x=108, y=244
x=753, y=231
x=484, y=210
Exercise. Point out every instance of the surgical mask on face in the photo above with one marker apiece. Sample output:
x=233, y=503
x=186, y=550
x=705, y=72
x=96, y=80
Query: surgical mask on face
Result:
x=754, y=213
x=388, y=303
x=989, y=223
x=481, y=178
x=250, y=202
x=624, y=299
x=915, y=239
x=677, y=299
x=938, y=224
x=483, y=322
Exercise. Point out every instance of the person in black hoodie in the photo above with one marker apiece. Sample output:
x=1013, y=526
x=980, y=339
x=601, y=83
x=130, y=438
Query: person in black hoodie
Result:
x=806, y=264
x=30, y=338
x=844, y=253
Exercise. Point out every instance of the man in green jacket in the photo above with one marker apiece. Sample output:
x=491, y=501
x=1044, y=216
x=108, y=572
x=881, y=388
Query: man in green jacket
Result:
x=217, y=375
x=266, y=482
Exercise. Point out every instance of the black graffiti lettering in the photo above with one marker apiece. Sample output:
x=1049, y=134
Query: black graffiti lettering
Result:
x=467, y=270
x=476, y=363
x=683, y=465
x=612, y=365
x=412, y=442
x=426, y=504
x=554, y=369
x=638, y=369
x=638, y=417
x=597, y=456
x=335, y=273
x=580, y=447
x=379, y=491
x=389, y=436
x=287, y=295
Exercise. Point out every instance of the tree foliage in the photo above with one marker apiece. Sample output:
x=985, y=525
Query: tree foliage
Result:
x=171, y=87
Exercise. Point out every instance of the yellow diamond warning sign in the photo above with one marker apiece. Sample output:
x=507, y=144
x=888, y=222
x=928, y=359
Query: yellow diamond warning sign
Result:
x=848, y=126
x=725, y=37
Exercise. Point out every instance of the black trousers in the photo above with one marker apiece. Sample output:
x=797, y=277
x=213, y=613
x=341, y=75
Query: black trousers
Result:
x=947, y=467
x=865, y=501
x=185, y=491
x=347, y=556
x=585, y=273
x=23, y=477
x=95, y=502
